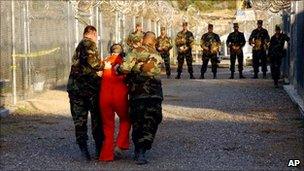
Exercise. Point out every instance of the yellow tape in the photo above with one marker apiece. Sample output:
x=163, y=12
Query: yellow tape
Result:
x=36, y=54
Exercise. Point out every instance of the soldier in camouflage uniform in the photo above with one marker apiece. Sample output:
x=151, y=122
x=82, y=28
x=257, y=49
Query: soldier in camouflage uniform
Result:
x=210, y=43
x=145, y=94
x=236, y=41
x=276, y=53
x=83, y=89
x=184, y=40
x=259, y=39
x=134, y=39
x=163, y=46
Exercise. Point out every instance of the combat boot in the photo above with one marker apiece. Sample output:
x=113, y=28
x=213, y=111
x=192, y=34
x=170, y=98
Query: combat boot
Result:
x=141, y=159
x=241, y=75
x=202, y=76
x=85, y=152
x=232, y=75
x=178, y=76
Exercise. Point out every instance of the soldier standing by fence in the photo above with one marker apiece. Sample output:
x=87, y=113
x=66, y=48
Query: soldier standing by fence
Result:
x=259, y=39
x=163, y=46
x=183, y=42
x=236, y=41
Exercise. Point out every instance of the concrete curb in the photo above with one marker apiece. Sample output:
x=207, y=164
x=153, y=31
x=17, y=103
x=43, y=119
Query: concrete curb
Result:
x=295, y=98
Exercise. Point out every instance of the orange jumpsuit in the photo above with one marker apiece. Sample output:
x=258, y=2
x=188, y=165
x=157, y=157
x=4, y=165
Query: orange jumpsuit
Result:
x=114, y=99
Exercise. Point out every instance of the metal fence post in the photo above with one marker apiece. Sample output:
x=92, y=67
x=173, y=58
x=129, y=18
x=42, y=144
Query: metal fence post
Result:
x=14, y=90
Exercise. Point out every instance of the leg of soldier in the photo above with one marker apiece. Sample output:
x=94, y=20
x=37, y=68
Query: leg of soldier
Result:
x=166, y=58
x=180, y=63
x=255, y=63
x=205, y=60
x=79, y=111
x=136, y=116
x=232, y=65
x=264, y=62
x=240, y=58
x=189, y=61
x=214, y=65
x=96, y=122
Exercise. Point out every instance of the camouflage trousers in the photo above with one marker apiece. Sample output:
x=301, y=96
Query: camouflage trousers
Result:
x=146, y=115
x=181, y=59
x=166, y=58
x=80, y=106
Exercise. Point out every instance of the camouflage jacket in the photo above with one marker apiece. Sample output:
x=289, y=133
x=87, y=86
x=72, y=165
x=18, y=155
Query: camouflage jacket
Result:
x=83, y=79
x=184, y=41
x=165, y=43
x=259, y=37
x=142, y=65
x=276, y=48
x=210, y=42
x=134, y=38
x=236, y=40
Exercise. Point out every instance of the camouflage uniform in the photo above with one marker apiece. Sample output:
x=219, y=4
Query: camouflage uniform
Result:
x=276, y=53
x=134, y=38
x=259, y=37
x=208, y=40
x=184, y=39
x=166, y=44
x=145, y=94
x=83, y=89
x=236, y=41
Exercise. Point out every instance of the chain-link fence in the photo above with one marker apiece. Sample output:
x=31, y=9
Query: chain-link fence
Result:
x=36, y=45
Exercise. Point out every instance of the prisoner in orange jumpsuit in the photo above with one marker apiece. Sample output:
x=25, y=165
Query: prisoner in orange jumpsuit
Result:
x=114, y=99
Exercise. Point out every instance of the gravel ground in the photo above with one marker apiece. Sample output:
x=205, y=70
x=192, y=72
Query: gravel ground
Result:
x=208, y=124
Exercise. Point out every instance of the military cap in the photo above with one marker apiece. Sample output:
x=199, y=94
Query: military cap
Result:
x=235, y=24
x=185, y=23
x=260, y=21
x=210, y=25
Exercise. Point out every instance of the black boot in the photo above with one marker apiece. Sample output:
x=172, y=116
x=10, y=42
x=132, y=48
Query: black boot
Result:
x=85, y=152
x=191, y=76
x=202, y=76
x=141, y=159
x=178, y=76
x=232, y=75
x=241, y=75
